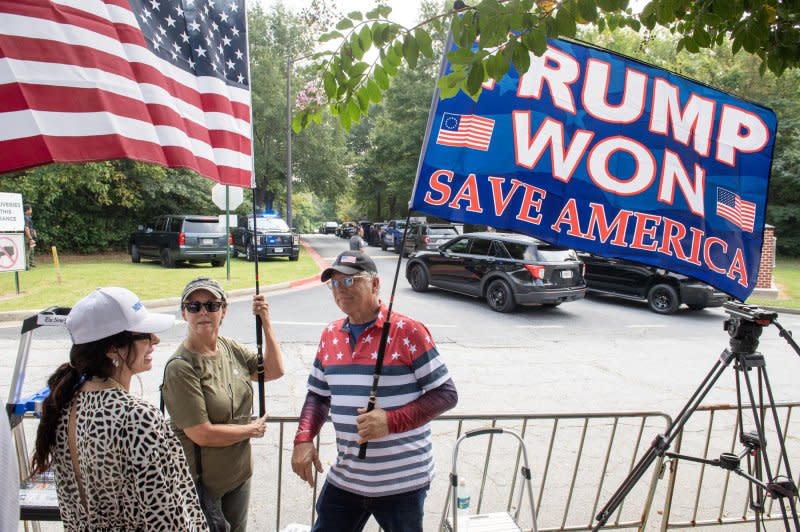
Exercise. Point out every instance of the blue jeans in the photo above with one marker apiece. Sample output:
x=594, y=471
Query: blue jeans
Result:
x=342, y=511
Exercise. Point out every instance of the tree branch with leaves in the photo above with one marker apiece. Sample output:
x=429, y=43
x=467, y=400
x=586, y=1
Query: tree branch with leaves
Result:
x=495, y=34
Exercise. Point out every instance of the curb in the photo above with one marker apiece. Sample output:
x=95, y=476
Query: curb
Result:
x=239, y=293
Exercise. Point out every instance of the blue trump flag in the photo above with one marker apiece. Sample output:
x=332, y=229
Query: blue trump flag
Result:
x=599, y=152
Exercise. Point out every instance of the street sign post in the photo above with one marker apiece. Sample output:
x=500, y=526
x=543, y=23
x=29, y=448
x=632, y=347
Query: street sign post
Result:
x=226, y=198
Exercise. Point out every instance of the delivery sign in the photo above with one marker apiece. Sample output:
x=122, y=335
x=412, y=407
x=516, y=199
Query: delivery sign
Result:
x=599, y=152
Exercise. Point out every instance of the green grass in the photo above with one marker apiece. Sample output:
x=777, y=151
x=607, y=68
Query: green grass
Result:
x=787, y=280
x=40, y=287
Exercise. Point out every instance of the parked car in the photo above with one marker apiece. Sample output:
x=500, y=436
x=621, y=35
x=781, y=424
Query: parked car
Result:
x=175, y=238
x=428, y=237
x=329, y=228
x=663, y=290
x=504, y=268
x=275, y=238
x=347, y=229
x=393, y=233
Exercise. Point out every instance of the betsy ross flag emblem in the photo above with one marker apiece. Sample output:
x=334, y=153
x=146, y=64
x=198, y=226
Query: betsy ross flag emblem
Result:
x=162, y=81
x=468, y=131
x=739, y=212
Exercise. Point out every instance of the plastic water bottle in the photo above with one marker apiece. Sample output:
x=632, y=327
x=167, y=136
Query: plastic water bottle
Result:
x=462, y=505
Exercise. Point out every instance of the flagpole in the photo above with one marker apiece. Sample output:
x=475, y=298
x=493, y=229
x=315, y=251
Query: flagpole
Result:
x=262, y=409
x=373, y=392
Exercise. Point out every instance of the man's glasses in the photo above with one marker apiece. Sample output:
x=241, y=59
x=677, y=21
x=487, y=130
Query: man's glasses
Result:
x=142, y=336
x=345, y=282
x=193, y=307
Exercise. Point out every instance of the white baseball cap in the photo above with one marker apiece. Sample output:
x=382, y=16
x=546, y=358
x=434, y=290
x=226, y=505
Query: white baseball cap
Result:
x=109, y=311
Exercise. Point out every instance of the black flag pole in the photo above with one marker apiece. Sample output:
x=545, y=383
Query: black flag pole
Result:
x=373, y=392
x=362, y=451
x=262, y=408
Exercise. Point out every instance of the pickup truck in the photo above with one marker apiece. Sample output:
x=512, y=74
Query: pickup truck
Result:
x=173, y=238
x=275, y=238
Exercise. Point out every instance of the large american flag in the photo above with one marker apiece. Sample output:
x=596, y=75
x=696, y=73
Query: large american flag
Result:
x=739, y=212
x=468, y=131
x=162, y=81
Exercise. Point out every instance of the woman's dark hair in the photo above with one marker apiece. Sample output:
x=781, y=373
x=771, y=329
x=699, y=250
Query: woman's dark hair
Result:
x=85, y=361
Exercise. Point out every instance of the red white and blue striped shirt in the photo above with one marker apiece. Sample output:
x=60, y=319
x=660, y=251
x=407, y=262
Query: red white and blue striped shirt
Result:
x=399, y=462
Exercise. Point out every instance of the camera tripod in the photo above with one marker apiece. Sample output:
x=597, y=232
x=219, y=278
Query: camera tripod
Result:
x=744, y=326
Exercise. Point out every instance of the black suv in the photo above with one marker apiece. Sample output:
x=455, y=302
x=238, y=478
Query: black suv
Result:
x=504, y=268
x=275, y=238
x=425, y=236
x=664, y=290
x=174, y=238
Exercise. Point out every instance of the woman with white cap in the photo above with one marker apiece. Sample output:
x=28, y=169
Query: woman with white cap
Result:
x=209, y=395
x=117, y=464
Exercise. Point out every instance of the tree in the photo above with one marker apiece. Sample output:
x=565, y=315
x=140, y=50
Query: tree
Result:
x=510, y=30
x=390, y=139
x=95, y=206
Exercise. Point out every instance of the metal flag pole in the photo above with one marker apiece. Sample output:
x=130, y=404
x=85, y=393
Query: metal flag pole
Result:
x=376, y=375
x=373, y=392
x=262, y=408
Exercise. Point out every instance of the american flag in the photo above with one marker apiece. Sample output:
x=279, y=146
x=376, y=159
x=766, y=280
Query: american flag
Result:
x=469, y=131
x=162, y=81
x=739, y=212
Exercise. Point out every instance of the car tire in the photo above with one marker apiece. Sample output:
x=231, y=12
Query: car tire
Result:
x=167, y=260
x=135, y=255
x=500, y=297
x=234, y=252
x=418, y=278
x=383, y=246
x=663, y=299
x=217, y=263
x=294, y=257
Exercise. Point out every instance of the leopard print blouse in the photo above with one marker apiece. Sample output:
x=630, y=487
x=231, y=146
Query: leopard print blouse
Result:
x=133, y=468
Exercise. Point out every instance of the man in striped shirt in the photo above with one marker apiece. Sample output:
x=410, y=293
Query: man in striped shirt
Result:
x=391, y=482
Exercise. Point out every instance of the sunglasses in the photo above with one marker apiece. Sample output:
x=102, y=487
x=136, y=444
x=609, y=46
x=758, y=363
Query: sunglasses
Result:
x=193, y=307
x=346, y=282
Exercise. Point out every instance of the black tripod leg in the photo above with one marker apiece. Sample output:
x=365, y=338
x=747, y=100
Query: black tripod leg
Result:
x=662, y=442
x=758, y=419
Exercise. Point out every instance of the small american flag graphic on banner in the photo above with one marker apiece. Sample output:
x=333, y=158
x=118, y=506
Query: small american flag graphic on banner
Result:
x=467, y=131
x=739, y=212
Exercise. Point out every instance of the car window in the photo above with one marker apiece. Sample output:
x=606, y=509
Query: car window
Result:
x=198, y=226
x=269, y=224
x=480, y=246
x=519, y=251
x=459, y=246
x=175, y=225
x=161, y=224
x=550, y=253
x=498, y=250
x=442, y=231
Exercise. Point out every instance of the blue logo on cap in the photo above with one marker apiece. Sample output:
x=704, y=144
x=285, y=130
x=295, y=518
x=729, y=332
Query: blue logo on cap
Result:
x=137, y=306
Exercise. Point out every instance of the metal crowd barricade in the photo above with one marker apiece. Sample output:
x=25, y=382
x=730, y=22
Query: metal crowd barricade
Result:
x=577, y=461
x=699, y=495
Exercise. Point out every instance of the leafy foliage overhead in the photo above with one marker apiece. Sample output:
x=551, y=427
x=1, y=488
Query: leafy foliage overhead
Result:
x=370, y=48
